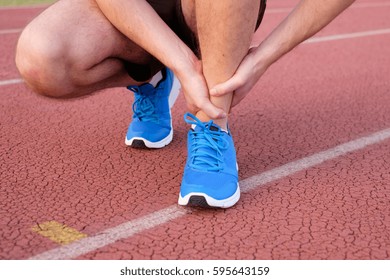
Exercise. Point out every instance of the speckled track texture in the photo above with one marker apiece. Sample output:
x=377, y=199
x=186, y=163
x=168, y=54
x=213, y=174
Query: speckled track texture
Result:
x=65, y=162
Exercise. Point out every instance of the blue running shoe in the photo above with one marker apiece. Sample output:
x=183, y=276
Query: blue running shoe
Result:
x=210, y=176
x=151, y=126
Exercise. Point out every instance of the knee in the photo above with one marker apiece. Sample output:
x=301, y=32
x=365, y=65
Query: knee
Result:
x=41, y=63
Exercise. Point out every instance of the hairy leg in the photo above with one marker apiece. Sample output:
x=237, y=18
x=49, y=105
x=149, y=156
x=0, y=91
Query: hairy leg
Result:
x=224, y=30
x=71, y=49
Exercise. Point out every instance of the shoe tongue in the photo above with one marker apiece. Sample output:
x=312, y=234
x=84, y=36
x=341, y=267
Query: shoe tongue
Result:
x=147, y=89
x=211, y=127
x=156, y=79
x=214, y=128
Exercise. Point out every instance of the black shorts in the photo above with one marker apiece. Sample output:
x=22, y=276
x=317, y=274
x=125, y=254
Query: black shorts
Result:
x=171, y=13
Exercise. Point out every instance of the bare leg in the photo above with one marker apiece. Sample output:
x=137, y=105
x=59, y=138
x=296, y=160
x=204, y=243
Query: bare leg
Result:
x=225, y=30
x=71, y=49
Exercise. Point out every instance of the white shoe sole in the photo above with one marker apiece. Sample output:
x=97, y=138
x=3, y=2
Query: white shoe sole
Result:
x=139, y=142
x=203, y=200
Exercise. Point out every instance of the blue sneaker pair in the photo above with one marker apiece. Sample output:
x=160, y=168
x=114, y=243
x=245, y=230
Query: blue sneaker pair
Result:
x=210, y=176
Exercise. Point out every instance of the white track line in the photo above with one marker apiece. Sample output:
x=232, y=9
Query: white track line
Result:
x=10, y=31
x=370, y=5
x=356, y=5
x=347, y=36
x=158, y=218
x=10, y=82
x=313, y=160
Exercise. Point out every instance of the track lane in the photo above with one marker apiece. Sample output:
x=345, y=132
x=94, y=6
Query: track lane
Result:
x=86, y=138
x=337, y=210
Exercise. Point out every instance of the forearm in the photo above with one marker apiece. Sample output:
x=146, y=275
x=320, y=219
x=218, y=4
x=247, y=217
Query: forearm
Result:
x=309, y=17
x=137, y=20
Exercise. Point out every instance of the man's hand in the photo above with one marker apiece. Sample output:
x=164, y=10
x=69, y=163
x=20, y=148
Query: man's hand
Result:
x=196, y=92
x=245, y=77
x=306, y=19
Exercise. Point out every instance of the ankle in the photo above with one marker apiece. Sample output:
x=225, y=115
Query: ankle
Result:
x=222, y=123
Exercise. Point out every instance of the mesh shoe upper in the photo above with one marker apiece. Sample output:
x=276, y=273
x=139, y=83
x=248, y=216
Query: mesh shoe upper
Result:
x=211, y=167
x=151, y=110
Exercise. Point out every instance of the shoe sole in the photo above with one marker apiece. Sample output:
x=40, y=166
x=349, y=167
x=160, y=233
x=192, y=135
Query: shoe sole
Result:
x=139, y=142
x=142, y=143
x=205, y=201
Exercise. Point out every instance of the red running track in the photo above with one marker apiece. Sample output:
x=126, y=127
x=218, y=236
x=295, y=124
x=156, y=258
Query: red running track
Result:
x=67, y=162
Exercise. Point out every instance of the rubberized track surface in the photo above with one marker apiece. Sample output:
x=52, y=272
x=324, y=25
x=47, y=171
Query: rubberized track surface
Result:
x=313, y=146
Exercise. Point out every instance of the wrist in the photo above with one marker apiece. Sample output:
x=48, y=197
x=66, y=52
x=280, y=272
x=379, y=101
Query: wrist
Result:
x=263, y=59
x=268, y=52
x=189, y=66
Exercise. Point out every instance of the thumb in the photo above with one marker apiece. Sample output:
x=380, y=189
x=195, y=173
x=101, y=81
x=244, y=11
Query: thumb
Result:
x=211, y=110
x=226, y=87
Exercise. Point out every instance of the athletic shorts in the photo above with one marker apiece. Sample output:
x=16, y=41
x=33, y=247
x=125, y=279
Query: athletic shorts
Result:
x=171, y=13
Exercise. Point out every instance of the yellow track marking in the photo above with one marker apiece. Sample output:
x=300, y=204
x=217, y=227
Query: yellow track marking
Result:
x=59, y=233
